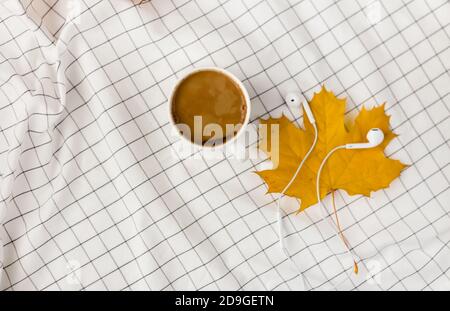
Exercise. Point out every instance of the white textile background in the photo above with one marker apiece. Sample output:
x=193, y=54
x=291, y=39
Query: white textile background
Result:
x=93, y=196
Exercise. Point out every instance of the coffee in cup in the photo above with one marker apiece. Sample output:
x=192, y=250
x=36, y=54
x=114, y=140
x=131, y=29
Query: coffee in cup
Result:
x=210, y=107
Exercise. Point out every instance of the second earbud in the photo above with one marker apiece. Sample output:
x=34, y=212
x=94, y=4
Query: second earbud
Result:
x=375, y=137
x=295, y=100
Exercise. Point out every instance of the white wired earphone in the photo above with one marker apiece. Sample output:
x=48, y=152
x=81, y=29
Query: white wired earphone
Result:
x=293, y=99
x=375, y=138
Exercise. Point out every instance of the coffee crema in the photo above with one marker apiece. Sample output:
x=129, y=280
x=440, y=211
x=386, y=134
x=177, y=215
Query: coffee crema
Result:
x=216, y=98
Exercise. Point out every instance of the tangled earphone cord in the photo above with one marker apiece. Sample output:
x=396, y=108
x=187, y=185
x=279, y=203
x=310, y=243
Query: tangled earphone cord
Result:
x=324, y=210
x=280, y=219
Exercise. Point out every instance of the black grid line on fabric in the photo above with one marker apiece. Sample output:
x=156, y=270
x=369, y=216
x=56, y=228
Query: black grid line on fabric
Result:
x=344, y=230
x=410, y=228
x=289, y=55
x=234, y=207
x=277, y=107
x=396, y=80
x=177, y=223
x=29, y=132
x=393, y=153
x=121, y=233
x=266, y=72
x=319, y=13
x=422, y=178
x=13, y=199
x=372, y=97
x=198, y=39
x=191, y=176
x=349, y=203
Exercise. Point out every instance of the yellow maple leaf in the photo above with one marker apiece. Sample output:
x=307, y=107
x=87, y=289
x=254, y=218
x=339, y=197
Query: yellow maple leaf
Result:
x=355, y=171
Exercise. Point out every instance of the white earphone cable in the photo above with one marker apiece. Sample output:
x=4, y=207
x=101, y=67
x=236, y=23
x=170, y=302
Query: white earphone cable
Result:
x=279, y=216
x=324, y=210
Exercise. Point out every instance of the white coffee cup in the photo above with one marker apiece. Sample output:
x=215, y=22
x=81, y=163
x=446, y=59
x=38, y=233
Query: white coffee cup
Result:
x=243, y=126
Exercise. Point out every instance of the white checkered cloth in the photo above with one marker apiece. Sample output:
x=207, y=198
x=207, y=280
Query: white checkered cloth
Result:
x=93, y=196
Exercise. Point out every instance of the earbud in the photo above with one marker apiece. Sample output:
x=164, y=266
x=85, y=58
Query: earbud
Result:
x=375, y=137
x=293, y=99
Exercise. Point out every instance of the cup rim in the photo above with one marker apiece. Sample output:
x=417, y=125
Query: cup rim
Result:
x=232, y=77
